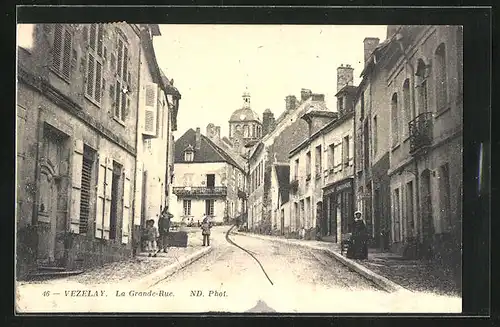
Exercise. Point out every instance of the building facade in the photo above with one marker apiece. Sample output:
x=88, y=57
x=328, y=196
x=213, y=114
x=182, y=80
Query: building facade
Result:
x=371, y=126
x=75, y=171
x=158, y=104
x=206, y=181
x=425, y=90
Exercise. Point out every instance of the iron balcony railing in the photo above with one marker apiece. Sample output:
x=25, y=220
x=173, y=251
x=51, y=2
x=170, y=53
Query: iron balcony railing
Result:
x=200, y=190
x=420, y=132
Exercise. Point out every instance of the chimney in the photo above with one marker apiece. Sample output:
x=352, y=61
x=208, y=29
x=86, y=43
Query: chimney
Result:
x=198, y=139
x=370, y=43
x=267, y=122
x=318, y=97
x=291, y=102
x=305, y=94
x=217, y=132
x=344, y=76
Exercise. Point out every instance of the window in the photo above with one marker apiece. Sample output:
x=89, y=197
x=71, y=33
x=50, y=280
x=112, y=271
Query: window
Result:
x=210, y=180
x=296, y=169
x=394, y=119
x=209, y=207
x=345, y=151
x=422, y=86
x=87, y=166
x=121, y=101
x=188, y=155
x=187, y=207
x=362, y=100
x=366, y=145
x=308, y=164
x=317, y=158
x=407, y=107
x=441, y=78
x=340, y=102
x=375, y=135
x=188, y=179
x=444, y=195
x=396, y=216
x=331, y=156
x=62, y=51
x=95, y=58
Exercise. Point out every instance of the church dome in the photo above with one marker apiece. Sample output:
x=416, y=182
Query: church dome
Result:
x=244, y=114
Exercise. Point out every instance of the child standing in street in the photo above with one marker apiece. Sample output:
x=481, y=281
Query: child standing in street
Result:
x=205, y=231
x=151, y=236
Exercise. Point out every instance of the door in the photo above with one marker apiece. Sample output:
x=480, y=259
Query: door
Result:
x=427, y=221
x=114, y=202
x=282, y=221
x=376, y=217
x=51, y=200
x=210, y=180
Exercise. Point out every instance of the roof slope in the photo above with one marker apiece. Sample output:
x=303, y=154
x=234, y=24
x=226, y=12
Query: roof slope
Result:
x=283, y=175
x=208, y=152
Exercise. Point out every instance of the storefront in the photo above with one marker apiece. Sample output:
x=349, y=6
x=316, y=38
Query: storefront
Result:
x=338, y=209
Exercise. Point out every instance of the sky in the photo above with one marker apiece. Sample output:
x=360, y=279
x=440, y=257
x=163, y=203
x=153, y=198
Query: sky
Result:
x=212, y=65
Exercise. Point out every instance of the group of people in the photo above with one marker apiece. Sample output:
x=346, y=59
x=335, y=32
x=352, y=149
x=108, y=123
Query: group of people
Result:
x=157, y=239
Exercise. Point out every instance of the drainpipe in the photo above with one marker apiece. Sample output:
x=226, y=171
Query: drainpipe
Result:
x=138, y=133
x=417, y=181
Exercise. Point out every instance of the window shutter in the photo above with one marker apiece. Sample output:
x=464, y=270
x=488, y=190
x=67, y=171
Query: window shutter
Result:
x=150, y=112
x=76, y=180
x=126, y=207
x=90, y=76
x=57, y=47
x=107, y=202
x=92, y=38
x=99, y=217
x=98, y=81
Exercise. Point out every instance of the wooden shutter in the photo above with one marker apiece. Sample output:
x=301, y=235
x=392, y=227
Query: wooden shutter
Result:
x=57, y=47
x=76, y=180
x=126, y=206
x=99, y=217
x=150, y=101
x=107, y=197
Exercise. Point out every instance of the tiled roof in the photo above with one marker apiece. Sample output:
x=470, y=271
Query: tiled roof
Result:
x=283, y=175
x=208, y=151
x=349, y=89
x=244, y=114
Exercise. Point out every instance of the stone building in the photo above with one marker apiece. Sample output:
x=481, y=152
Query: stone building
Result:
x=207, y=180
x=425, y=90
x=371, y=126
x=76, y=141
x=274, y=149
x=244, y=125
x=157, y=119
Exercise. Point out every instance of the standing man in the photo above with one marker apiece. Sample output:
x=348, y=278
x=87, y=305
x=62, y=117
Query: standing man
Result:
x=205, y=230
x=164, y=228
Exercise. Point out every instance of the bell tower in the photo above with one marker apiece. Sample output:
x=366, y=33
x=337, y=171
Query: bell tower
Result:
x=246, y=100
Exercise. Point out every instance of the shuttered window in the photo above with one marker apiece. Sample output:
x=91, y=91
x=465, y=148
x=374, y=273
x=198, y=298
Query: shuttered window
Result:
x=88, y=163
x=94, y=79
x=121, y=101
x=62, y=51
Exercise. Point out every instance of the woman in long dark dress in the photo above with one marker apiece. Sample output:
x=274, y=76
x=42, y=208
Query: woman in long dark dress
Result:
x=358, y=249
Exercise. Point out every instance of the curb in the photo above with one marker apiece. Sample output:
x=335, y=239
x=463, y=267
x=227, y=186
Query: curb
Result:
x=162, y=273
x=382, y=282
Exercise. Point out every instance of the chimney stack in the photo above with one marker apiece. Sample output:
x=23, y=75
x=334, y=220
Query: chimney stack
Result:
x=318, y=97
x=267, y=122
x=291, y=102
x=217, y=132
x=198, y=139
x=305, y=94
x=370, y=43
x=344, y=76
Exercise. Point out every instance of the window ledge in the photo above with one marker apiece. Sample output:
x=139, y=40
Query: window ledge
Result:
x=119, y=121
x=395, y=147
x=94, y=102
x=59, y=75
x=442, y=111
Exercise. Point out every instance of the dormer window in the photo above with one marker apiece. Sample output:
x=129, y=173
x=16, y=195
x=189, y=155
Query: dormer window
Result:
x=188, y=155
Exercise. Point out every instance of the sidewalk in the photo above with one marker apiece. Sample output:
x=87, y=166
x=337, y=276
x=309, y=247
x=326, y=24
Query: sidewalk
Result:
x=141, y=270
x=388, y=270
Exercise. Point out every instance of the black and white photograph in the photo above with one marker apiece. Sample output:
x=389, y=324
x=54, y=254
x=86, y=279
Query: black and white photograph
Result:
x=238, y=168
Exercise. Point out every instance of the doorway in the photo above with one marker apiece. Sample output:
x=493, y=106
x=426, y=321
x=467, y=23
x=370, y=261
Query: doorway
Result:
x=52, y=197
x=427, y=220
x=211, y=180
x=282, y=222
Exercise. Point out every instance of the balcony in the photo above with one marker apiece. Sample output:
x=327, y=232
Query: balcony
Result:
x=200, y=191
x=420, y=132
